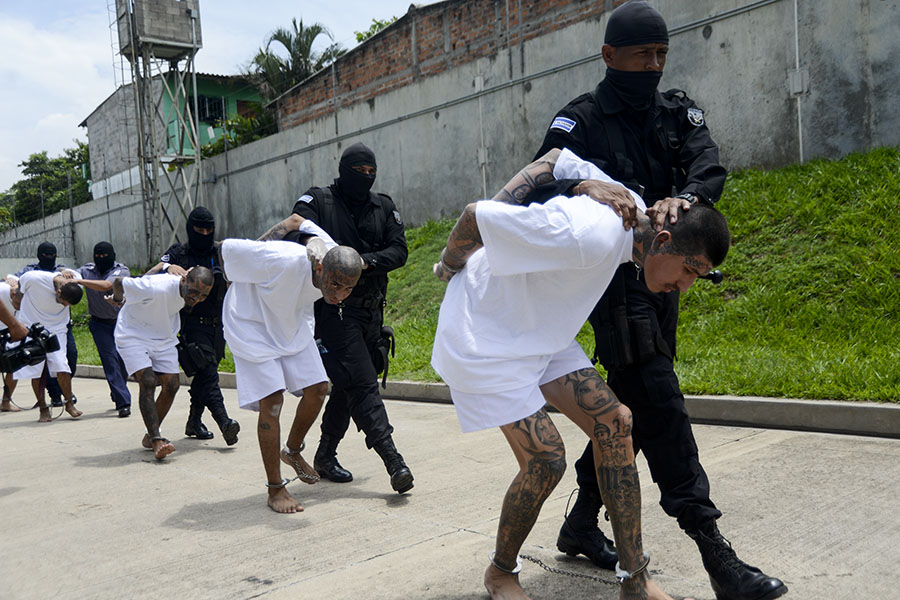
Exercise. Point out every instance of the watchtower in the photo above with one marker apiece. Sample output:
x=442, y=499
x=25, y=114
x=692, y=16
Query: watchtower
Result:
x=156, y=37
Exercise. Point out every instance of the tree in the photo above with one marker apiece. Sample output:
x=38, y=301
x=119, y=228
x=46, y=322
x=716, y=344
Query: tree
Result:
x=275, y=74
x=242, y=129
x=377, y=25
x=45, y=188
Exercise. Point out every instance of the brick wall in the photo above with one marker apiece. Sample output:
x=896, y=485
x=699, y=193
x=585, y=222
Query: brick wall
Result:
x=425, y=42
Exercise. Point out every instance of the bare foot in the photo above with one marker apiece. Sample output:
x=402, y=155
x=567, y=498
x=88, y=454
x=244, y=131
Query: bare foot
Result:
x=7, y=406
x=503, y=586
x=145, y=442
x=45, y=415
x=305, y=472
x=643, y=587
x=282, y=502
x=162, y=448
x=73, y=412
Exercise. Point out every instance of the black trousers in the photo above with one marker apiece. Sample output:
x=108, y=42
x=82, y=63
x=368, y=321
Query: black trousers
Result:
x=349, y=338
x=204, y=390
x=661, y=425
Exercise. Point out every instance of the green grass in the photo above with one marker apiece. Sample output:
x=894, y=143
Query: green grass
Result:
x=808, y=308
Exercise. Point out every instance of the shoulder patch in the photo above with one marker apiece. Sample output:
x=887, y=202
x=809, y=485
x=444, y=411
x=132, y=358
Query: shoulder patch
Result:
x=695, y=116
x=164, y=258
x=397, y=217
x=305, y=198
x=564, y=124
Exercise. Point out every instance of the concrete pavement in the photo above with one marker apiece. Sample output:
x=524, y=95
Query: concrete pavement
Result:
x=86, y=513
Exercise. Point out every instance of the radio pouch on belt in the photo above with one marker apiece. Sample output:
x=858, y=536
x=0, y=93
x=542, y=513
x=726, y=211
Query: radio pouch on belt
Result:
x=193, y=357
x=380, y=359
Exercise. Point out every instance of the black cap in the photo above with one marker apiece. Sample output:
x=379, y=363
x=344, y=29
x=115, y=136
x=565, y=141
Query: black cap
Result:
x=46, y=249
x=104, y=248
x=201, y=217
x=358, y=154
x=635, y=23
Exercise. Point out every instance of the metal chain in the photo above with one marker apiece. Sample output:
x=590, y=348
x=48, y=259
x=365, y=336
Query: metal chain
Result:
x=575, y=574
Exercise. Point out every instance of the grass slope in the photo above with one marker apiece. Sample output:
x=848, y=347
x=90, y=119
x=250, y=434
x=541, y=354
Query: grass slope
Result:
x=808, y=308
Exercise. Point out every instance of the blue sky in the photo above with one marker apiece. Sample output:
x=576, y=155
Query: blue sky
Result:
x=56, y=62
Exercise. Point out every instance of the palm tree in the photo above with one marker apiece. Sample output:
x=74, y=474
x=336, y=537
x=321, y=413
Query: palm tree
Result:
x=276, y=74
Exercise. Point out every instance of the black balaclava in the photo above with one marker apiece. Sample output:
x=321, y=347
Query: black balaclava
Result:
x=46, y=256
x=104, y=263
x=632, y=24
x=200, y=243
x=354, y=185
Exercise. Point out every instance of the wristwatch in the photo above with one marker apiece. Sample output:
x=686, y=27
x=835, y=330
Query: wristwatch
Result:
x=687, y=196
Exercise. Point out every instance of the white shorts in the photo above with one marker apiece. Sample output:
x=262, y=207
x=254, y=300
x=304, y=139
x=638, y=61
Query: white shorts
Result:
x=256, y=380
x=56, y=363
x=137, y=358
x=481, y=411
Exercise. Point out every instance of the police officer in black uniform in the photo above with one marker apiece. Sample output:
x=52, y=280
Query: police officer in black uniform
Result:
x=351, y=334
x=201, y=340
x=658, y=145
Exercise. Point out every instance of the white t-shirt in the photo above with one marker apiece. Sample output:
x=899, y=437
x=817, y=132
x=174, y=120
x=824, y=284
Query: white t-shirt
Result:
x=150, y=314
x=5, y=298
x=39, y=302
x=527, y=293
x=268, y=310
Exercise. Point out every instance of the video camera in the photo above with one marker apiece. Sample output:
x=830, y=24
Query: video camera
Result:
x=34, y=348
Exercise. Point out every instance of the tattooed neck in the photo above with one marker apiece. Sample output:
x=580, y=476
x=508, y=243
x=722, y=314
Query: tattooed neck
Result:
x=643, y=240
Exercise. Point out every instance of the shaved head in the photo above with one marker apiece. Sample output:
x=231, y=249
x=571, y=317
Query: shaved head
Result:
x=341, y=268
x=344, y=260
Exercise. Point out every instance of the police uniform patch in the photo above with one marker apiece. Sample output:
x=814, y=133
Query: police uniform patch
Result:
x=563, y=124
x=695, y=116
x=397, y=217
x=165, y=258
x=305, y=198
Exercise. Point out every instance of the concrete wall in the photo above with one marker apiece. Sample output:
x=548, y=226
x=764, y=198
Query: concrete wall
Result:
x=447, y=130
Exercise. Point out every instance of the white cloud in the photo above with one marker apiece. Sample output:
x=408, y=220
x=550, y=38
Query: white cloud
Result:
x=57, y=64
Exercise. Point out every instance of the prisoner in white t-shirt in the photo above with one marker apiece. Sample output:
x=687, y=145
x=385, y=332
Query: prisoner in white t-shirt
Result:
x=522, y=282
x=268, y=321
x=44, y=297
x=146, y=336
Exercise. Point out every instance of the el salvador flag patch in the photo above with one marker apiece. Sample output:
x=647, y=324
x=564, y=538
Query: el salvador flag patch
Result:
x=305, y=198
x=563, y=123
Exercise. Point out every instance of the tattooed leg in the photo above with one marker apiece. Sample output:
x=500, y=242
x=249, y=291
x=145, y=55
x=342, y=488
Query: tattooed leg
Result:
x=539, y=451
x=585, y=398
x=147, y=381
x=268, y=431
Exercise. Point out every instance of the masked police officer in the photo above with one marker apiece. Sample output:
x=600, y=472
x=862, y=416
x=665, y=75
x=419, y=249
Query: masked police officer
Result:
x=46, y=255
x=351, y=332
x=103, y=323
x=202, y=341
x=659, y=146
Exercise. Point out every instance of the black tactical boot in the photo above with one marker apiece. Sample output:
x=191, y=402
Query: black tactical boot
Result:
x=580, y=534
x=195, y=427
x=401, y=476
x=230, y=430
x=228, y=426
x=326, y=464
x=732, y=578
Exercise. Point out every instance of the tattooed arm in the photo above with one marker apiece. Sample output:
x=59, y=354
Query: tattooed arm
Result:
x=465, y=238
x=279, y=230
x=525, y=181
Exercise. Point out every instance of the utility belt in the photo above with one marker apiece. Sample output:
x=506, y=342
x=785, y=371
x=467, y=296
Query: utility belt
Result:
x=103, y=320
x=194, y=357
x=365, y=301
x=622, y=340
x=204, y=320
